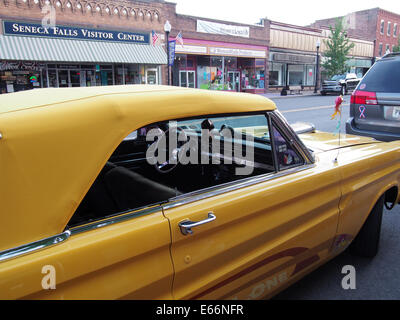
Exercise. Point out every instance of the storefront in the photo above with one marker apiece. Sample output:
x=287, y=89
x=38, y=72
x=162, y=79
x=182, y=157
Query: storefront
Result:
x=222, y=66
x=32, y=56
x=292, y=70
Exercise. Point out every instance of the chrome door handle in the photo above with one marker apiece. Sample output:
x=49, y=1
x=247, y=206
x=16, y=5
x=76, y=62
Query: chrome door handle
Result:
x=187, y=225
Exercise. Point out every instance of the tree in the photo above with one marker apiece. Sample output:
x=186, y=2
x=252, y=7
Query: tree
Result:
x=338, y=47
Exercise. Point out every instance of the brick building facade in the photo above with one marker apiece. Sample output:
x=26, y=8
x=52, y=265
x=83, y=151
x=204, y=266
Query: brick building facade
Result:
x=220, y=55
x=104, y=42
x=378, y=25
x=97, y=43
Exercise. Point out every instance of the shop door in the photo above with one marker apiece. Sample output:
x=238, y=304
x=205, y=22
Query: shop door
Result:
x=191, y=76
x=63, y=78
x=187, y=79
x=75, y=78
x=151, y=76
x=234, y=80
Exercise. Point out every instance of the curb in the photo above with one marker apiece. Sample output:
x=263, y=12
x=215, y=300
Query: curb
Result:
x=290, y=96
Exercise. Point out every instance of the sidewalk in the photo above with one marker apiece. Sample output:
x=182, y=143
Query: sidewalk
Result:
x=277, y=95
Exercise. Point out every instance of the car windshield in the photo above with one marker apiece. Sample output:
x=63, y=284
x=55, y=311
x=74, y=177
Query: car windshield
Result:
x=384, y=76
x=338, y=77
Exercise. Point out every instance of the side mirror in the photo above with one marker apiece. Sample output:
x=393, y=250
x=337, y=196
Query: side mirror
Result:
x=303, y=127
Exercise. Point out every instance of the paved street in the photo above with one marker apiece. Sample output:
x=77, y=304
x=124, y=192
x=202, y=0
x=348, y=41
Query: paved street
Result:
x=314, y=109
x=376, y=278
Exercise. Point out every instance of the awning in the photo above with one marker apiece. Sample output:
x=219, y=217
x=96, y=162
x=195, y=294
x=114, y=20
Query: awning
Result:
x=81, y=51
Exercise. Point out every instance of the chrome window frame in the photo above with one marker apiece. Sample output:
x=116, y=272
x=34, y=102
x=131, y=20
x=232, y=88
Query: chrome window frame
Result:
x=294, y=139
x=272, y=116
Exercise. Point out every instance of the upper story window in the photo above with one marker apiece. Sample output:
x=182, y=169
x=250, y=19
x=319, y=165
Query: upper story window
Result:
x=382, y=26
x=395, y=30
x=389, y=28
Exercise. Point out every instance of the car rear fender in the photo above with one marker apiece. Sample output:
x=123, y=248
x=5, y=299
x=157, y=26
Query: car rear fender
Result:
x=368, y=172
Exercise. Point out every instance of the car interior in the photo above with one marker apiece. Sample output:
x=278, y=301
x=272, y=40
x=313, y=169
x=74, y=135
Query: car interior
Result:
x=130, y=181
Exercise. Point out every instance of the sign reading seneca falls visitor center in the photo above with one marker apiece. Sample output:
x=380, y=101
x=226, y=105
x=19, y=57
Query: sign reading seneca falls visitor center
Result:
x=31, y=29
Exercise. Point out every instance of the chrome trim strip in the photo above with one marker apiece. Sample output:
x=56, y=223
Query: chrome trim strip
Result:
x=34, y=246
x=115, y=219
x=230, y=186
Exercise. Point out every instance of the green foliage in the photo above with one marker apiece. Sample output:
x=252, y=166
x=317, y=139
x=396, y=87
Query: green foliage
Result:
x=338, y=47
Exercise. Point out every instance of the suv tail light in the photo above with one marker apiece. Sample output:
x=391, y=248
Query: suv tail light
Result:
x=364, y=97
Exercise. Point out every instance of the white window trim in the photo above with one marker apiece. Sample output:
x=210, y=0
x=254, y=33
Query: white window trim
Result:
x=389, y=29
x=382, y=29
x=395, y=28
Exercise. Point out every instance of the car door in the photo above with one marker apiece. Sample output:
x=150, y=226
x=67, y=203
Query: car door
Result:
x=110, y=249
x=256, y=234
x=126, y=257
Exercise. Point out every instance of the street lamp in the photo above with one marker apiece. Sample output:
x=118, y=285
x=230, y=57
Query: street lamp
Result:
x=167, y=29
x=318, y=44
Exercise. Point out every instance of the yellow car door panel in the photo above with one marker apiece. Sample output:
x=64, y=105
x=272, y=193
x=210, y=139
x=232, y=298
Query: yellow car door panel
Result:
x=273, y=228
x=122, y=257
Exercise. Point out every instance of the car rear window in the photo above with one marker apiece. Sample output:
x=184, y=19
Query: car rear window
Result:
x=384, y=76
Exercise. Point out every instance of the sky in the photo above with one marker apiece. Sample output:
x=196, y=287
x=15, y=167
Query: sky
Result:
x=300, y=12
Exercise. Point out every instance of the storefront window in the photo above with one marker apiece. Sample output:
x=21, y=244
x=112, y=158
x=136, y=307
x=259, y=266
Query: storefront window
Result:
x=309, y=75
x=132, y=76
x=296, y=73
x=253, y=73
x=120, y=74
x=276, y=74
x=203, y=72
x=181, y=61
x=18, y=76
x=217, y=76
x=24, y=75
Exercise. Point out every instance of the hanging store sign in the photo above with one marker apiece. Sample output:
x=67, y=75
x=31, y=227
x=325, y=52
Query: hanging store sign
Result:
x=62, y=32
x=224, y=29
x=237, y=52
x=285, y=57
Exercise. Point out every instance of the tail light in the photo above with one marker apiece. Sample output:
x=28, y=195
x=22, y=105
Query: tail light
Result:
x=364, y=97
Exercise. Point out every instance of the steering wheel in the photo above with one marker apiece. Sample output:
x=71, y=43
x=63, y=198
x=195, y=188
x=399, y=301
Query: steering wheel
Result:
x=163, y=147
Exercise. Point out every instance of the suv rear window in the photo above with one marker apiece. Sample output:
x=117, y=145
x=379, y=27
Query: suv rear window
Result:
x=384, y=76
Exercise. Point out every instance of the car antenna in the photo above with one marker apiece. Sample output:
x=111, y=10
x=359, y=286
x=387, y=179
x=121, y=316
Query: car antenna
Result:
x=338, y=110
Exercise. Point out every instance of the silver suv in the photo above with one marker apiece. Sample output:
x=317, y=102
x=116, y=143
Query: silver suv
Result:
x=375, y=104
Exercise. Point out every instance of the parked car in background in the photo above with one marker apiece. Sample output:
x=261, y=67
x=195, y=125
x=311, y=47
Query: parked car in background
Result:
x=95, y=203
x=375, y=104
x=340, y=84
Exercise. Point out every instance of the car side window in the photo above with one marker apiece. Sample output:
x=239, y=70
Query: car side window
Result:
x=164, y=160
x=286, y=154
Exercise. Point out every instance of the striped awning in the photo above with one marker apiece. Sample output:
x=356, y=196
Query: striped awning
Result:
x=81, y=51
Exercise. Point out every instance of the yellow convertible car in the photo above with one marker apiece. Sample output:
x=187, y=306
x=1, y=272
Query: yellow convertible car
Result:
x=155, y=192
